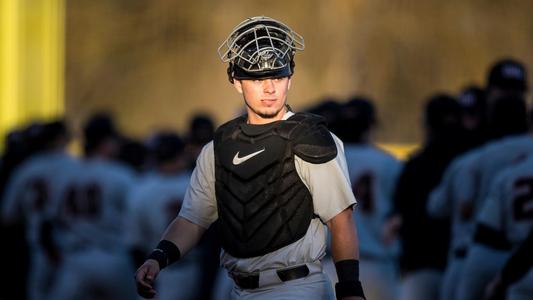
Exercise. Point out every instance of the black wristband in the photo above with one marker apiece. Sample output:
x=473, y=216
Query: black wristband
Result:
x=165, y=253
x=349, y=289
x=159, y=256
x=348, y=274
x=347, y=270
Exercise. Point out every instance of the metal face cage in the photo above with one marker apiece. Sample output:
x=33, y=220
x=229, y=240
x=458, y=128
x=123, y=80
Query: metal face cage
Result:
x=261, y=44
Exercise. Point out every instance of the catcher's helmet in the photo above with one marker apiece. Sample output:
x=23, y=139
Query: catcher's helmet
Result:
x=260, y=47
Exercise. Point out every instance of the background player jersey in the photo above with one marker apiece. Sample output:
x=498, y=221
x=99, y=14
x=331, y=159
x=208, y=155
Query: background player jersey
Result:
x=95, y=212
x=36, y=189
x=155, y=202
x=509, y=204
x=373, y=174
x=497, y=156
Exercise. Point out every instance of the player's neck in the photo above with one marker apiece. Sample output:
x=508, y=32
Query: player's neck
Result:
x=256, y=119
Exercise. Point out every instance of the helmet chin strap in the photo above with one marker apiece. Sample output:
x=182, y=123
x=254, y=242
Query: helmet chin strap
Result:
x=289, y=108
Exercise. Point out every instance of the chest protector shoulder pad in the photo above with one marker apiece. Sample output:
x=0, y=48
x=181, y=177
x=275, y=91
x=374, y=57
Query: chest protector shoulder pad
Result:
x=263, y=205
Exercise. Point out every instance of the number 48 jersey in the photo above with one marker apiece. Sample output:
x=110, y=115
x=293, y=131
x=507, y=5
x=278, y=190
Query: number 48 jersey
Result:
x=373, y=175
x=95, y=210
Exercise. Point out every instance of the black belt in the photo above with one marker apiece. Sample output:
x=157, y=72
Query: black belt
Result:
x=251, y=281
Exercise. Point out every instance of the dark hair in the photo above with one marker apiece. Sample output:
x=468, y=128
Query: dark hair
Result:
x=166, y=146
x=507, y=115
x=358, y=116
x=98, y=128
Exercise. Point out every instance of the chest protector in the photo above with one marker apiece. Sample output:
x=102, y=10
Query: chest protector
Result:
x=263, y=204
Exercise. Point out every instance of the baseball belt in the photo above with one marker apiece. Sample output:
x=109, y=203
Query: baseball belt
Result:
x=270, y=277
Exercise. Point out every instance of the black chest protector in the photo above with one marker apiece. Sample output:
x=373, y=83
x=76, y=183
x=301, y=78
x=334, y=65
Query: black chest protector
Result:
x=262, y=203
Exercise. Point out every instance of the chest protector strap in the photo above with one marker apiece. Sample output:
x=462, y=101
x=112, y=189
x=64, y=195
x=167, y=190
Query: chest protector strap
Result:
x=263, y=204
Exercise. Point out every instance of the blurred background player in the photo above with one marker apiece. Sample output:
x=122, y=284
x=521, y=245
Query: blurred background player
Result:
x=445, y=199
x=373, y=174
x=32, y=196
x=425, y=239
x=14, y=153
x=490, y=161
x=504, y=222
x=330, y=109
x=156, y=201
x=473, y=103
x=461, y=185
x=133, y=154
x=200, y=132
x=93, y=221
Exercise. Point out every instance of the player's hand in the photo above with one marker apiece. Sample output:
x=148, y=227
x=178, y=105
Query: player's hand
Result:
x=145, y=277
x=495, y=289
x=390, y=229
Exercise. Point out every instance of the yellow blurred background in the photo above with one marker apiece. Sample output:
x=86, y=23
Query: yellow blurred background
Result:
x=154, y=63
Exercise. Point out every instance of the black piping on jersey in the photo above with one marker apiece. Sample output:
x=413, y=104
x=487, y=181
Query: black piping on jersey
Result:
x=490, y=237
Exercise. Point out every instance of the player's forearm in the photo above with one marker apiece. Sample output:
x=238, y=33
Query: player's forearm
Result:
x=345, y=251
x=344, y=242
x=184, y=234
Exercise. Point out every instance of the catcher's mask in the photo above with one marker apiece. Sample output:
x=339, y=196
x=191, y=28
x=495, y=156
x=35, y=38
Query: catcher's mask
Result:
x=259, y=48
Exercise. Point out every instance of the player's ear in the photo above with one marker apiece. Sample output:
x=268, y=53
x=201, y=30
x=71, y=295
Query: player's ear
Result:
x=238, y=85
x=289, y=84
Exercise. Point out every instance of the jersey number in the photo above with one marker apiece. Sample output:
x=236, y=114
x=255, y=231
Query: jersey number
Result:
x=523, y=203
x=362, y=189
x=84, y=202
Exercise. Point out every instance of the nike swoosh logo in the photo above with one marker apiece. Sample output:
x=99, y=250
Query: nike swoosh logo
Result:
x=239, y=160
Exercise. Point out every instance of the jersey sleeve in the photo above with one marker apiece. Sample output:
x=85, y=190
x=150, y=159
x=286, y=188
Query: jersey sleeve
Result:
x=439, y=202
x=328, y=183
x=199, y=205
x=11, y=210
x=466, y=181
x=491, y=212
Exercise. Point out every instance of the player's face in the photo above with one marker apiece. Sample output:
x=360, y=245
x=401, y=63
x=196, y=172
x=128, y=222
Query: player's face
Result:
x=265, y=98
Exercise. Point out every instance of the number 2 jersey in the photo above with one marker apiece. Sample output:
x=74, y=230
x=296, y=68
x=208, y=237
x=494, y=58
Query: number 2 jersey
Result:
x=508, y=208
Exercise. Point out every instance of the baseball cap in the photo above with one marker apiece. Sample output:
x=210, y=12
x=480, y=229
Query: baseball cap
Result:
x=472, y=99
x=508, y=74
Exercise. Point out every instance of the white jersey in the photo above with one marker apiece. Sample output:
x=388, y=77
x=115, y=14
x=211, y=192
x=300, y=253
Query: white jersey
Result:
x=497, y=156
x=467, y=180
x=328, y=184
x=33, y=195
x=508, y=208
x=35, y=190
x=94, y=214
x=155, y=202
x=373, y=175
x=509, y=204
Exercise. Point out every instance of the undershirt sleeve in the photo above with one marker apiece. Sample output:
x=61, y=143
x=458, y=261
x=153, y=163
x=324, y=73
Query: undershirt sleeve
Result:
x=199, y=205
x=328, y=184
